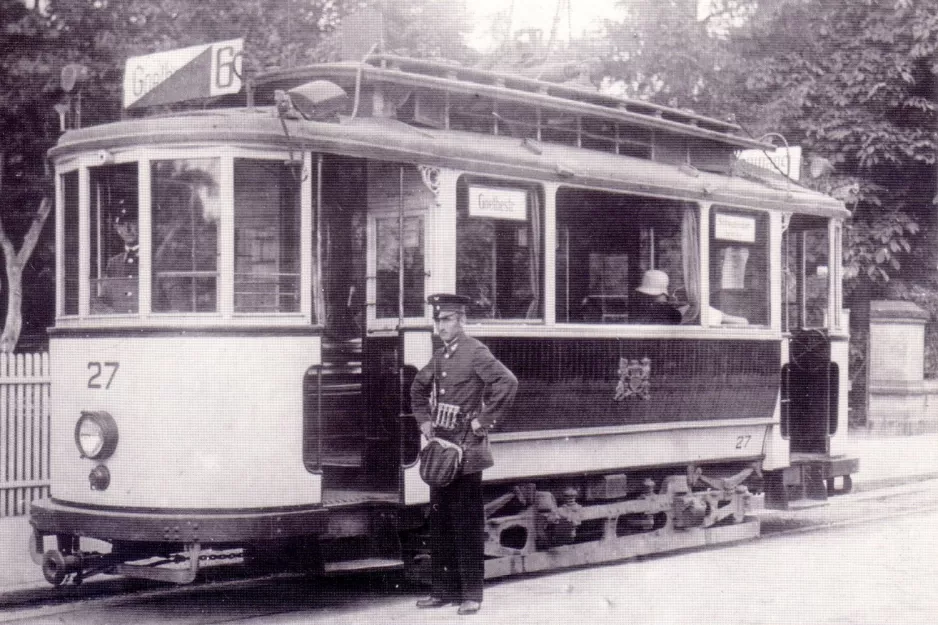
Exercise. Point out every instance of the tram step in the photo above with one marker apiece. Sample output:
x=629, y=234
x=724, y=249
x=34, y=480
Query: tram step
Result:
x=360, y=566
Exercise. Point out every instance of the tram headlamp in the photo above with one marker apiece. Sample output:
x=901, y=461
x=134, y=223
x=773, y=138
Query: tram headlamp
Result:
x=96, y=435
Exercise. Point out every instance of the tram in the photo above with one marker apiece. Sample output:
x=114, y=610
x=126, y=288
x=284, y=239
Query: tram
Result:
x=241, y=382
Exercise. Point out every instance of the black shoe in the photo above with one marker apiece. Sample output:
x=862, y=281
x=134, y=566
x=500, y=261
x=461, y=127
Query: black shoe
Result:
x=469, y=607
x=433, y=602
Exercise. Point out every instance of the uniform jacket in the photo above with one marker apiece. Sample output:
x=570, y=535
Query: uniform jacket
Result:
x=469, y=376
x=119, y=287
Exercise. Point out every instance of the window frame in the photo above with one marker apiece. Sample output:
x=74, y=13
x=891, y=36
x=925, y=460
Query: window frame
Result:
x=773, y=264
x=144, y=156
x=373, y=321
x=545, y=195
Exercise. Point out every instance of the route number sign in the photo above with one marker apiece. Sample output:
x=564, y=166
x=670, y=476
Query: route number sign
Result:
x=202, y=71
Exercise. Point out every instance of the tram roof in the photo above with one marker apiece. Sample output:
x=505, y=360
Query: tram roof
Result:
x=477, y=86
x=389, y=139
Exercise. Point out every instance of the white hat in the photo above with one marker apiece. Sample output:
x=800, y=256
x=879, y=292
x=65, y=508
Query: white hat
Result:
x=654, y=282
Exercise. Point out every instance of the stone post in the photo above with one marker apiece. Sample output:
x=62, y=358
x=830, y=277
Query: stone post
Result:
x=898, y=392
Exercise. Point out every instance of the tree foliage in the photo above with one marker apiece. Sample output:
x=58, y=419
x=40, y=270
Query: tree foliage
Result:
x=854, y=82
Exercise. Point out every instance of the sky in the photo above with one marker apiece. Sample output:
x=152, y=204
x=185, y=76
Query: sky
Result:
x=583, y=15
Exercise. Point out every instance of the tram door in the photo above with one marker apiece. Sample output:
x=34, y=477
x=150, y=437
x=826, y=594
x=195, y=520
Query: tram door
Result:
x=810, y=380
x=371, y=220
x=343, y=413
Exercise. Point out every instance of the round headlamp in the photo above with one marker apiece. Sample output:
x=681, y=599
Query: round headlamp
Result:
x=96, y=435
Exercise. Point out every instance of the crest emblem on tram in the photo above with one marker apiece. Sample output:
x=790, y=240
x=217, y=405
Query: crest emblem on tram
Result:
x=634, y=379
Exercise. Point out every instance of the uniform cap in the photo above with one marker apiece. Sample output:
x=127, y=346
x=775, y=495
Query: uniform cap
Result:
x=654, y=282
x=124, y=214
x=445, y=304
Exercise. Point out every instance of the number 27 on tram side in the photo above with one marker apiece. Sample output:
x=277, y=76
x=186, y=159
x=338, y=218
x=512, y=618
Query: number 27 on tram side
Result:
x=241, y=308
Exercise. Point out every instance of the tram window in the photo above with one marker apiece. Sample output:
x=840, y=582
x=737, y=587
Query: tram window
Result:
x=267, y=237
x=499, y=263
x=605, y=244
x=805, y=280
x=739, y=267
x=186, y=210
x=393, y=187
x=69, y=183
x=113, y=224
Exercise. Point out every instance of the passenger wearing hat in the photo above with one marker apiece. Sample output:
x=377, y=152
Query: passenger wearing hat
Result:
x=464, y=379
x=118, y=289
x=650, y=304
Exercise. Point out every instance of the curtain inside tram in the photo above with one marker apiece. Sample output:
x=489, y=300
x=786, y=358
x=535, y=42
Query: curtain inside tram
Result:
x=690, y=261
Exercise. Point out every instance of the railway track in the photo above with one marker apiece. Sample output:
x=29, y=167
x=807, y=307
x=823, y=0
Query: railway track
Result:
x=231, y=594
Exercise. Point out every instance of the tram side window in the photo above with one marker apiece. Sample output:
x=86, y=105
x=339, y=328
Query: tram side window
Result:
x=267, y=237
x=739, y=267
x=805, y=280
x=499, y=239
x=70, y=279
x=186, y=211
x=608, y=242
x=114, y=245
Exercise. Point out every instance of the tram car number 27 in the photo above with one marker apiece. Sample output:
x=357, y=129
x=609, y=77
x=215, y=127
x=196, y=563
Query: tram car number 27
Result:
x=102, y=374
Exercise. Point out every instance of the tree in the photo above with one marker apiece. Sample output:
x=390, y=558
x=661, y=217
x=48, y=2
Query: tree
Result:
x=855, y=82
x=27, y=85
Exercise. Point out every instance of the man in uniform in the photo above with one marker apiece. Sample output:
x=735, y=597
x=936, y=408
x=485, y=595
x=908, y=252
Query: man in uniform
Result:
x=459, y=396
x=118, y=289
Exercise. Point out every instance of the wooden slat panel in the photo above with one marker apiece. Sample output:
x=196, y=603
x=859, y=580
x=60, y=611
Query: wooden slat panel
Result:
x=25, y=425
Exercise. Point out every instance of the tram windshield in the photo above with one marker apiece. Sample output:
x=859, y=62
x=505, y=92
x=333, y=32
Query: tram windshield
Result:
x=114, y=239
x=186, y=214
x=187, y=206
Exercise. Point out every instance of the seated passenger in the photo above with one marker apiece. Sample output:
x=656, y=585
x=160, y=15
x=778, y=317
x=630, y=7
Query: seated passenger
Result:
x=650, y=303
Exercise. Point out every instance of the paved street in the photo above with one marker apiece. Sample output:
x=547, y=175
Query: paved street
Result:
x=871, y=560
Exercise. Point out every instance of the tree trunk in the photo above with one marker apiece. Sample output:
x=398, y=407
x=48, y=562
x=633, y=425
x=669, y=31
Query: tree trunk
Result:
x=14, y=321
x=15, y=263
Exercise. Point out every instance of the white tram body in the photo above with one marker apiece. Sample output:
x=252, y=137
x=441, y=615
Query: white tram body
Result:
x=247, y=384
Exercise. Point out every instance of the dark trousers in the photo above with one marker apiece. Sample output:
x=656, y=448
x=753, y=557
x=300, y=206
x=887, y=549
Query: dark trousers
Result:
x=457, y=523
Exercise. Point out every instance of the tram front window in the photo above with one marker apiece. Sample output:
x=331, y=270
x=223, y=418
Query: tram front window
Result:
x=186, y=209
x=113, y=224
x=267, y=237
x=607, y=246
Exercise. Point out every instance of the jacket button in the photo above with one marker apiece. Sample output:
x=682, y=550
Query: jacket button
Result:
x=442, y=391
x=443, y=374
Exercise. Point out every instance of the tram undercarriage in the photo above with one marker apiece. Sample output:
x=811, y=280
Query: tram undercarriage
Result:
x=564, y=523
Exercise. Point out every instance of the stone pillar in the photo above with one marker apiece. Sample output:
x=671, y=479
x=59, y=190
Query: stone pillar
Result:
x=898, y=393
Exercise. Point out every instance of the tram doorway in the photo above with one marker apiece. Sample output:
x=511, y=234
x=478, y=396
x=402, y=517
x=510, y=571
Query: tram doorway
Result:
x=370, y=221
x=811, y=381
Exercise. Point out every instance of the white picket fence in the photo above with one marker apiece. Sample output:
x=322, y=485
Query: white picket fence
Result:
x=24, y=431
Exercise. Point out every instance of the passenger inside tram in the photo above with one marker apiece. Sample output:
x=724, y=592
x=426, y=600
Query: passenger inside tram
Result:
x=634, y=259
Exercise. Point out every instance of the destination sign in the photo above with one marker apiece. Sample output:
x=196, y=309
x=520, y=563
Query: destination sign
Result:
x=498, y=203
x=202, y=71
